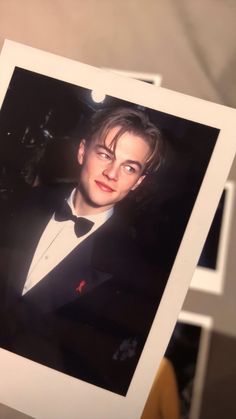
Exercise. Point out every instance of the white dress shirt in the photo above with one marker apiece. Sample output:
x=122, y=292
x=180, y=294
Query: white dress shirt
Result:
x=57, y=241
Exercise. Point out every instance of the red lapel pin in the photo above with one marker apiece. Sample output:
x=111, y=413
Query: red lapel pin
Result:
x=79, y=288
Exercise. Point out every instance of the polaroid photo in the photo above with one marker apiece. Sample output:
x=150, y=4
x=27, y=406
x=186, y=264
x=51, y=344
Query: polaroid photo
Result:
x=105, y=207
x=209, y=275
x=152, y=78
x=192, y=372
x=192, y=334
x=181, y=375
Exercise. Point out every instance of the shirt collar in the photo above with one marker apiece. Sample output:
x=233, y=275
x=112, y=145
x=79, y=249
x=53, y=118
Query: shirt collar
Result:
x=99, y=218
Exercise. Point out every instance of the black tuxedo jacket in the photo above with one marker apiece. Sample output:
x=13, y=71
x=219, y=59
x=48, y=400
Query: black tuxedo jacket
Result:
x=90, y=316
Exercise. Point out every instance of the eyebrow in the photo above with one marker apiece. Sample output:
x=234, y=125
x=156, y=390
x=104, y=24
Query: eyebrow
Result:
x=104, y=147
x=134, y=162
x=108, y=150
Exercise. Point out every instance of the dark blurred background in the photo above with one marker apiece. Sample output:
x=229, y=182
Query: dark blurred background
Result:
x=42, y=122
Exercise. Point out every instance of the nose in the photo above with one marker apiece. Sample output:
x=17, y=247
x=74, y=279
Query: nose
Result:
x=111, y=171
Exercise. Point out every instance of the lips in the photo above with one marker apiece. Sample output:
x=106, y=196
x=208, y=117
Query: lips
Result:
x=103, y=186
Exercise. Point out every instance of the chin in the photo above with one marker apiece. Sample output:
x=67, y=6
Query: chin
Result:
x=100, y=204
x=101, y=201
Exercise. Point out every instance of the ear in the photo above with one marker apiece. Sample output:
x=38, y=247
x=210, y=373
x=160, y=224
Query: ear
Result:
x=81, y=152
x=138, y=182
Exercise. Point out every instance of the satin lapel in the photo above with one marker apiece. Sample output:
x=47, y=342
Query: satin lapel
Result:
x=69, y=281
x=27, y=228
x=27, y=238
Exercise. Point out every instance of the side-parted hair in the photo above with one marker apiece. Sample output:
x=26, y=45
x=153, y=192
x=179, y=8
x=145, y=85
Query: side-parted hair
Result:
x=129, y=120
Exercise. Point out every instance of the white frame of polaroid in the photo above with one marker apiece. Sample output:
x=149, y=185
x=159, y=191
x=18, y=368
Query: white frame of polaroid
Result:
x=155, y=78
x=206, y=324
x=212, y=280
x=45, y=393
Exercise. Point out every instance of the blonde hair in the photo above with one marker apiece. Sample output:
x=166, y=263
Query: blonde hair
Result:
x=128, y=120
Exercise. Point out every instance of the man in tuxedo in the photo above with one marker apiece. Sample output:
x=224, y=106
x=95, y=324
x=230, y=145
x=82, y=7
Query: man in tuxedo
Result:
x=80, y=297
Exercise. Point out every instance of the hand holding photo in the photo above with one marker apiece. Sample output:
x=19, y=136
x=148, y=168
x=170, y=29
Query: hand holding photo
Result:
x=105, y=206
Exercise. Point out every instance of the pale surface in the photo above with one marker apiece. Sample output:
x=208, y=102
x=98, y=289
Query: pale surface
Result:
x=8, y=413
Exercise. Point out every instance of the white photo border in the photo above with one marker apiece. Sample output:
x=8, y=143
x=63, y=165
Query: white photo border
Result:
x=153, y=78
x=42, y=392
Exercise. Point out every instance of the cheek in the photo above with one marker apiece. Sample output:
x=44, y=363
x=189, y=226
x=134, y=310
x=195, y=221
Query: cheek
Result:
x=127, y=185
x=89, y=166
x=94, y=168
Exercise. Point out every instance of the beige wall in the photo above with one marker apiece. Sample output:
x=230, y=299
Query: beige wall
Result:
x=191, y=43
x=178, y=38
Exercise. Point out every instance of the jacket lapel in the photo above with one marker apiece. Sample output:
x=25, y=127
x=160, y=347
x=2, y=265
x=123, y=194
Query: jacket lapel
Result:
x=23, y=248
x=26, y=230
x=88, y=266
x=69, y=281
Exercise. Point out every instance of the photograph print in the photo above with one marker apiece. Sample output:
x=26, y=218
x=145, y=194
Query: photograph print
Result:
x=95, y=197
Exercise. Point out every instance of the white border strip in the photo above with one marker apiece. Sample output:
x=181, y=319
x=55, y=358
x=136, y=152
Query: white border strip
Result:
x=155, y=78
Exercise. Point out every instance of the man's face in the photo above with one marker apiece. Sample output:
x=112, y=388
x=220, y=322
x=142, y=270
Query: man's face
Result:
x=108, y=174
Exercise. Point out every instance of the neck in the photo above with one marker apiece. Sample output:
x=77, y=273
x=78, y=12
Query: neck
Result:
x=82, y=207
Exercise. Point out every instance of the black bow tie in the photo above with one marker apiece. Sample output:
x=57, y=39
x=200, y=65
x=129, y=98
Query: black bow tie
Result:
x=82, y=225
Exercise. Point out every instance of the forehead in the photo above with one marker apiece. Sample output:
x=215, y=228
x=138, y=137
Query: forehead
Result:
x=127, y=145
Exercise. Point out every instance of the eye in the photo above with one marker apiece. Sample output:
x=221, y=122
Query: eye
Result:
x=104, y=156
x=129, y=169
